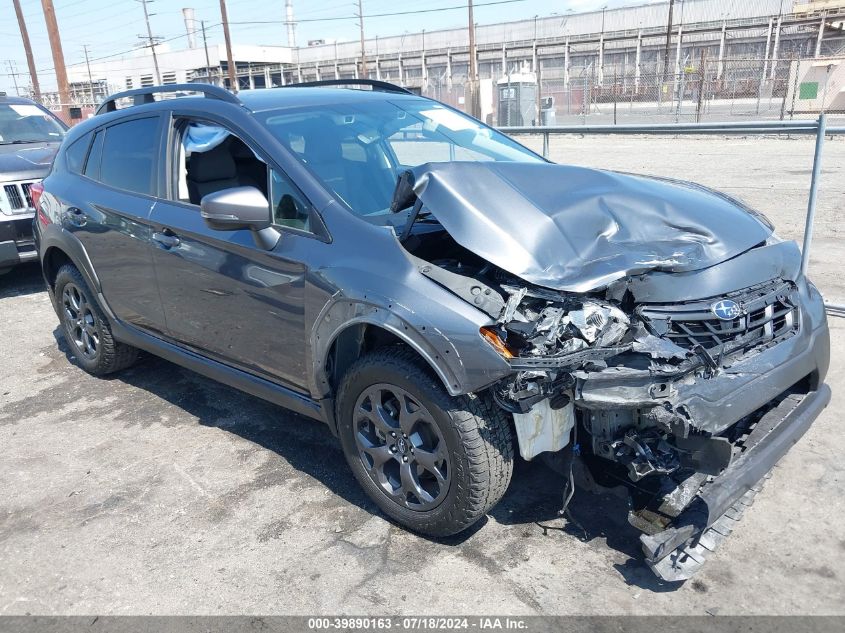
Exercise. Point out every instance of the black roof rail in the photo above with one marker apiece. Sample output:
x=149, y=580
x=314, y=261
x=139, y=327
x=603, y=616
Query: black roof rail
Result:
x=375, y=84
x=145, y=95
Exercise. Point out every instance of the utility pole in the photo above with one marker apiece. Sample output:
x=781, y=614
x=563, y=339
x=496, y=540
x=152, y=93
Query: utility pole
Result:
x=233, y=80
x=58, y=57
x=30, y=62
x=363, y=74
x=205, y=46
x=90, y=79
x=151, y=40
x=668, y=42
x=13, y=73
x=473, y=97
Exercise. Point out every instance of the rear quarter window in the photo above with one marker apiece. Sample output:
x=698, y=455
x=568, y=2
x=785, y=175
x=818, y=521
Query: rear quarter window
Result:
x=76, y=152
x=92, y=165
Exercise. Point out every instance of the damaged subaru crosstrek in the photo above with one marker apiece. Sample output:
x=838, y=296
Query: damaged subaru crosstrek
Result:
x=442, y=298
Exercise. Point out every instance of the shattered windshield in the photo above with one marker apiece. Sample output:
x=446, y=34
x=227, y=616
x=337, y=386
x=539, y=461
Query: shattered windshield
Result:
x=359, y=150
x=27, y=123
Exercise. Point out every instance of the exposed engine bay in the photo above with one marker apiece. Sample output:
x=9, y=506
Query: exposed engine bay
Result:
x=628, y=373
x=559, y=342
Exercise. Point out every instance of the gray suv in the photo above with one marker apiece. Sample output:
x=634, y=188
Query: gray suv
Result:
x=29, y=137
x=443, y=298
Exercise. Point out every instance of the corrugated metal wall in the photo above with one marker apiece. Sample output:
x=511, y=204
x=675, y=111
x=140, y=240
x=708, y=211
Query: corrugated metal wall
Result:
x=626, y=18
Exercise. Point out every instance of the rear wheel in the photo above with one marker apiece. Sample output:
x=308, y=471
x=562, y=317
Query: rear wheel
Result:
x=85, y=327
x=434, y=463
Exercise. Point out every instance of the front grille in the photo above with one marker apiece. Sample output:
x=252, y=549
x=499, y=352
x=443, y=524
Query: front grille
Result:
x=767, y=311
x=13, y=195
x=26, y=193
x=18, y=196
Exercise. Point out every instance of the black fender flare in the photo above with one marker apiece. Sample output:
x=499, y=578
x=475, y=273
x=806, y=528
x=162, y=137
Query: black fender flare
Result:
x=55, y=237
x=342, y=313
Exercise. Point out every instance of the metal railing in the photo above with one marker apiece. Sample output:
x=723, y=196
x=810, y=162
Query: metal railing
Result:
x=815, y=127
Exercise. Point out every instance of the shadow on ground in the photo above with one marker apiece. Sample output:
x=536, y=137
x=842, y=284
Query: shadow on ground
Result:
x=22, y=280
x=534, y=497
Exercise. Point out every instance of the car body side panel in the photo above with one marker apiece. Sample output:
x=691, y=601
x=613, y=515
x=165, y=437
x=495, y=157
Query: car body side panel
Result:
x=224, y=295
x=380, y=284
x=114, y=229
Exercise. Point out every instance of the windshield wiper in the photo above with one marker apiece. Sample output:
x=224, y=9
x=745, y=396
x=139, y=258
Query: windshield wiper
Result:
x=22, y=142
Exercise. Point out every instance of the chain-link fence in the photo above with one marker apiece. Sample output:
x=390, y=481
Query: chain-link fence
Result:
x=699, y=89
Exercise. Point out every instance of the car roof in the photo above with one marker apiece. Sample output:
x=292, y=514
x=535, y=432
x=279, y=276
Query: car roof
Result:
x=11, y=100
x=255, y=101
x=273, y=98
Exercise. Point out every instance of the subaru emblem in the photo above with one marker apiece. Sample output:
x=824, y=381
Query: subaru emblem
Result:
x=726, y=310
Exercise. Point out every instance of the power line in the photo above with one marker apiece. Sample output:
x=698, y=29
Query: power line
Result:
x=384, y=15
x=130, y=50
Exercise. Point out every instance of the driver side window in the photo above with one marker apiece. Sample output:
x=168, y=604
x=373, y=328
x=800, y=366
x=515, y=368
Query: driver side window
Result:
x=210, y=158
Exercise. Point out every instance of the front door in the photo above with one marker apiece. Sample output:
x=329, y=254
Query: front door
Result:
x=223, y=295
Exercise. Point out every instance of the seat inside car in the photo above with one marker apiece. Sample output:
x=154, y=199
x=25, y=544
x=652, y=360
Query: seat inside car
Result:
x=230, y=164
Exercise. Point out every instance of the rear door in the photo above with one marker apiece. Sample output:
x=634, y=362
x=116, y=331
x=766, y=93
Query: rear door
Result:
x=224, y=296
x=109, y=210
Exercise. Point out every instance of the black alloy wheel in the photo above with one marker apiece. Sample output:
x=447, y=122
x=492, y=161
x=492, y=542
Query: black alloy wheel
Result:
x=401, y=447
x=86, y=329
x=80, y=321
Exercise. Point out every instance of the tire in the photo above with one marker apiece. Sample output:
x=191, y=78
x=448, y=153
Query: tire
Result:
x=451, y=458
x=85, y=327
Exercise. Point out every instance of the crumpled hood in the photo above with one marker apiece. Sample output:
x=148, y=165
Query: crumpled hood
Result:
x=19, y=162
x=577, y=229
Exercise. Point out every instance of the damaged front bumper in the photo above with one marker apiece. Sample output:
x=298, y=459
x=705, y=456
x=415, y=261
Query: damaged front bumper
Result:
x=678, y=551
x=705, y=432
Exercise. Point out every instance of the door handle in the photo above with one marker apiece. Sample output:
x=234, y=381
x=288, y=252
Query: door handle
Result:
x=166, y=238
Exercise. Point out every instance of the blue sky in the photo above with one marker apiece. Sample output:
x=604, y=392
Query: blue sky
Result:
x=112, y=26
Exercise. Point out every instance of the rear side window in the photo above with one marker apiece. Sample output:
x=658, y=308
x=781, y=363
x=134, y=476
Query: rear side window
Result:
x=129, y=155
x=75, y=154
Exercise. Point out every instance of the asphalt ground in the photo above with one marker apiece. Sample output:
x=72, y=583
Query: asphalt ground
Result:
x=157, y=491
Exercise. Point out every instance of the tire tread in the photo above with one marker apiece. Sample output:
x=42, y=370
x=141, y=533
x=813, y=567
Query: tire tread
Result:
x=483, y=428
x=114, y=356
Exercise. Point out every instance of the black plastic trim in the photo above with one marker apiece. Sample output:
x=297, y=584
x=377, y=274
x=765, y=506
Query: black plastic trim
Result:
x=145, y=95
x=241, y=380
x=375, y=84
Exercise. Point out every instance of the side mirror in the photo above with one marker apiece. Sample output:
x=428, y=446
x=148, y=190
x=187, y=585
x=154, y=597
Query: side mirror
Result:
x=236, y=208
x=240, y=208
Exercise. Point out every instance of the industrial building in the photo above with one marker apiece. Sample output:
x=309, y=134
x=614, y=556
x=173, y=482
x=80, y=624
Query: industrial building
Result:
x=706, y=52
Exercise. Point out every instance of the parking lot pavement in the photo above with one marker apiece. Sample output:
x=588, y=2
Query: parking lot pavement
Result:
x=158, y=491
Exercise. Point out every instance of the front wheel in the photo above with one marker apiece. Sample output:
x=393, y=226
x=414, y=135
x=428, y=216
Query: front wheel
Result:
x=434, y=463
